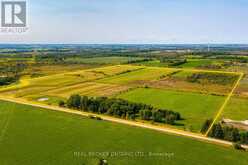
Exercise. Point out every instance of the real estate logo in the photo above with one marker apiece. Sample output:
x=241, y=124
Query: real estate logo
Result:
x=13, y=17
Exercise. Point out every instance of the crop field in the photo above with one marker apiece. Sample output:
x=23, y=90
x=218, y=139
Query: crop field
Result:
x=196, y=95
x=32, y=135
x=88, y=89
x=139, y=76
x=70, y=82
x=116, y=69
x=195, y=108
x=46, y=70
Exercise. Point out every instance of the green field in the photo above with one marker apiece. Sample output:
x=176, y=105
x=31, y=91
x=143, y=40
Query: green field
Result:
x=35, y=136
x=103, y=60
x=191, y=63
x=236, y=109
x=194, y=63
x=194, y=108
x=152, y=63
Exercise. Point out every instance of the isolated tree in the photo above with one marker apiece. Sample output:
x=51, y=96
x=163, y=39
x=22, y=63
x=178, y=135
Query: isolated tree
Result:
x=61, y=103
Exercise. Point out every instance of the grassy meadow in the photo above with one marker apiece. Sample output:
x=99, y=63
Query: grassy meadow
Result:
x=191, y=63
x=35, y=136
x=236, y=109
x=195, y=108
x=103, y=60
x=195, y=63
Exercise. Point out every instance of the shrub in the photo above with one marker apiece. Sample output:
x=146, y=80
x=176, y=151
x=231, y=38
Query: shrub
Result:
x=61, y=103
x=238, y=146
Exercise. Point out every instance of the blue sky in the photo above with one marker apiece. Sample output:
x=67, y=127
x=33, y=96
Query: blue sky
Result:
x=135, y=21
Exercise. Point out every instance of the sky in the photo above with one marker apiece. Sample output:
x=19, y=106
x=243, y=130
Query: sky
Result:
x=134, y=22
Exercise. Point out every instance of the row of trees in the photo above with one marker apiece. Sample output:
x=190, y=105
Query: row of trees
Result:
x=132, y=61
x=121, y=108
x=172, y=62
x=223, y=132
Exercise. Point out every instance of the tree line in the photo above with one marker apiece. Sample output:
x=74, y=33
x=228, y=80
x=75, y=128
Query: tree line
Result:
x=223, y=132
x=121, y=108
x=173, y=61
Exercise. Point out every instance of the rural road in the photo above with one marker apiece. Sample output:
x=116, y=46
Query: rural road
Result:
x=127, y=122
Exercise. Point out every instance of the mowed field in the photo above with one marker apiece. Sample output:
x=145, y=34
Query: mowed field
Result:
x=195, y=108
x=237, y=109
x=35, y=136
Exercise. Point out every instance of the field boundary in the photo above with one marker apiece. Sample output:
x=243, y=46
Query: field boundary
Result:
x=26, y=82
x=225, y=103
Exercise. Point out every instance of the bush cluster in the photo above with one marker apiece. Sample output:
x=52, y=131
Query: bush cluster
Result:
x=7, y=80
x=214, y=78
x=232, y=134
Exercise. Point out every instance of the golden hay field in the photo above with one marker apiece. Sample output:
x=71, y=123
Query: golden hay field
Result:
x=65, y=84
x=109, y=81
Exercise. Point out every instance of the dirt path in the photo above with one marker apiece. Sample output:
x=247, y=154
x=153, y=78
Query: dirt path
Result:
x=127, y=122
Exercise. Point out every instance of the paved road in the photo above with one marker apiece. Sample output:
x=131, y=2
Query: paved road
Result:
x=127, y=122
